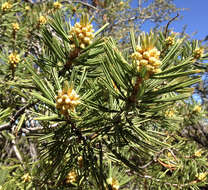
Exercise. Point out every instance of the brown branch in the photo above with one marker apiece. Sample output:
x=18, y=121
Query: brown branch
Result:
x=27, y=130
x=18, y=155
x=20, y=111
x=83, y=3
x=5, y=126
x=155, y=159
x=169, y=22
x=9, y=125
x=132, y=98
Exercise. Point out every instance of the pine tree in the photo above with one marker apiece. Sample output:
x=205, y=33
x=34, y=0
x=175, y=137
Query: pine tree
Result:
x=102, y=117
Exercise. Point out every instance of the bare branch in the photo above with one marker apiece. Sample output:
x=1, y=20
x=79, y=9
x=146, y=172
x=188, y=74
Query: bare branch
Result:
x=5, y=126
x=20, y=111
x=169, y=22
x=9, y=125
x=18, y=155
x=155, y=158
x=83, y=3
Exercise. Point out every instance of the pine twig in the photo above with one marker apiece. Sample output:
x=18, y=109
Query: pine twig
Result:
x=18, y=155
x=83, y=3
x=8, y=125
x=169, y=22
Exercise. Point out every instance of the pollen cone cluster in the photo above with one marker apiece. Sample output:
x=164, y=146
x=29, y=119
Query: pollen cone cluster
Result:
x=198, y=53
x=42, y=20
x=114, y=183
x=26, y=178
x=14, y=59
x=170, y=113
x=147, y=55
x=197, y=109
x=170, y=40
x=83, y=31
x=71, y=177
x=202, y=176
x=27, y=8
x=15, y=26
x=67, y=100
x=57, y=5
x=5, y=6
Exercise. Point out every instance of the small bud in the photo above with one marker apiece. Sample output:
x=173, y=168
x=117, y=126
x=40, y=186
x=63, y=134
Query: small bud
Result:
x=152, y=60
x=78, y=31
x=138, y=55
x=63, y=108
x=26, y=178
x=198, y=153
x=6, y=6
x=158, y=70
x=113, y=183
x=198, y=71
x=59, y=92
x=146, y=55
x=143, y=62
x=65, y=96
x=86, y=40
x=157, y=63
x=121, y=3
x=57, y=5
x=14, y=58
x=80, y=161
x=82, y=46
x=67, y=100
x=81, y=36
x=170, y=40
x=197, y=109
x=198, y=53
x=154, y=52
x=72, y=46
x=139, y=68
x=84, y=29
x=27, y=8
x=59, y=100
x=71, y=177
x=77, y=25
x=170, y=113
x=42, y=20
x=139, y=49
x=149, y=67
x=88, y=34
x=70, y=37
x=202, y=176
x=169, y=155
x=89, y=26
x=15, y=26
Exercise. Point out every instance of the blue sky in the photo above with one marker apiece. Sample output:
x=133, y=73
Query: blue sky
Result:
x=195, y=18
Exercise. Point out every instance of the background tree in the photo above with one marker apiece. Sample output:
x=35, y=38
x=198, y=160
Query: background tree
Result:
x=77, y=112
x=122, y=16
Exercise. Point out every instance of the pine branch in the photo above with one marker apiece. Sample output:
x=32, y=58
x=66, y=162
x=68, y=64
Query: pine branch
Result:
x=169, y=22
x=16, y=150
x=83, y=3
x=5, y=126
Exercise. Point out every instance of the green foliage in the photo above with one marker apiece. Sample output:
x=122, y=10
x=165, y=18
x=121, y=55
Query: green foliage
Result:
x=99, y=119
